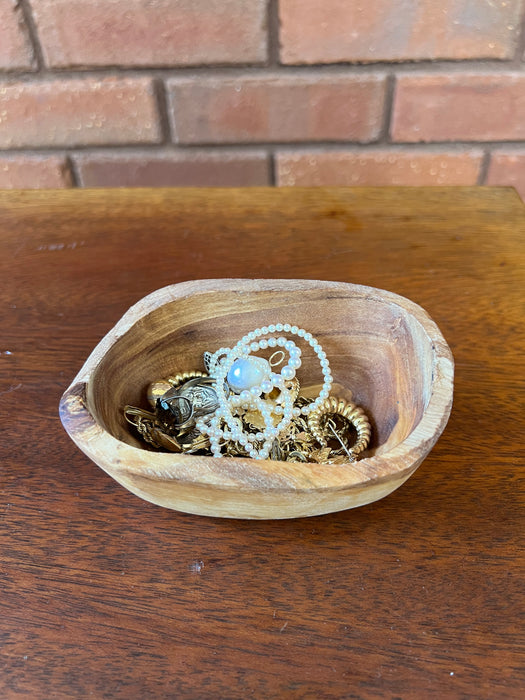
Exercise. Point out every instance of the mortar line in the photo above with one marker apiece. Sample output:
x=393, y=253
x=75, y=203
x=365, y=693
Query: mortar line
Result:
x=73, y=171
x=519, y=55
x=257, y=70
x=161, y=99
x=388, y=108
x=272, y=168
x=27, y=14
x=273, y=30
x=285, y=146
x=484, y=168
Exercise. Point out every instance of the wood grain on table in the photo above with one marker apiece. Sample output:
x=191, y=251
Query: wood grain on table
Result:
x=419, y=595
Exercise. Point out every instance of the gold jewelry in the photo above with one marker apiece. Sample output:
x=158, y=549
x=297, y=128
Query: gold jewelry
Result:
x=194, y=441
x=148, y=428
x=322, y=427
x=156, y=390
x=183, y=377
x=318, y=432
x=181, y=406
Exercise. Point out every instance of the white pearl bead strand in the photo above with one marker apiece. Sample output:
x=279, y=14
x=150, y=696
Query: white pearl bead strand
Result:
x=248, y=394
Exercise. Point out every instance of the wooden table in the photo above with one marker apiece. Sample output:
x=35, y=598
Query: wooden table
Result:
x=419, y=595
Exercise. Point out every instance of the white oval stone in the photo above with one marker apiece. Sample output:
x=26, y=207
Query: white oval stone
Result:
x=247, y=372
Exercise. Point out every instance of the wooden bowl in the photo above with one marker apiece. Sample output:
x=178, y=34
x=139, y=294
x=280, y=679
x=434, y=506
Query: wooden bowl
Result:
x=381, y=346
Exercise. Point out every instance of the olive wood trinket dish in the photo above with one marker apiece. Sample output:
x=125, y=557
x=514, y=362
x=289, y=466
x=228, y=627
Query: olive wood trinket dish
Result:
x=382, y=347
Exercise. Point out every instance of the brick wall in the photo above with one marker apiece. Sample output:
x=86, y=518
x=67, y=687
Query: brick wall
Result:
x=253, y=92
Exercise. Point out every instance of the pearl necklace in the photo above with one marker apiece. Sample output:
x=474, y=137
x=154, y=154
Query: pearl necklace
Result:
x=249, y=377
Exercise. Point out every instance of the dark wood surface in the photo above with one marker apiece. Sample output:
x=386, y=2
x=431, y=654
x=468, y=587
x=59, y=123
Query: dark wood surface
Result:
x=420, y=595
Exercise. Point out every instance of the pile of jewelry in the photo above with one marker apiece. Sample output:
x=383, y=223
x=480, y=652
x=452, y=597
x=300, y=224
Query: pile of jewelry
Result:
x=241, y=407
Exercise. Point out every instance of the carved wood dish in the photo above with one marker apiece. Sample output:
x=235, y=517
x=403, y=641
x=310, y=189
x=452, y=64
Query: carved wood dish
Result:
x=382, y=347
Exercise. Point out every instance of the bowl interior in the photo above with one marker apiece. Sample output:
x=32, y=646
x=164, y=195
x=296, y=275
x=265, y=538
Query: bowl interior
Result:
x=376, y=349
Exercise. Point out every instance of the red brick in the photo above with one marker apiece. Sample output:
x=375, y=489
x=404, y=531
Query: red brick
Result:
x=330, y=31
x=467, y=107
x=71, y=112
x=150, y=32
x=33, y=172
x=15, y=47
x=200, y=169
x=508, y=168
x=312, y=107
x=378, y=167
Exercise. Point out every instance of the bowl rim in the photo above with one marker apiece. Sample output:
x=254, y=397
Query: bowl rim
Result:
x=115, y=456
